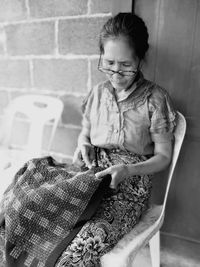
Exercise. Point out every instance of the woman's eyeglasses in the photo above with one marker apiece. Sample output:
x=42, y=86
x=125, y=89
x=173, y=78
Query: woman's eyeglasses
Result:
x=111, y=72
x=121, y=72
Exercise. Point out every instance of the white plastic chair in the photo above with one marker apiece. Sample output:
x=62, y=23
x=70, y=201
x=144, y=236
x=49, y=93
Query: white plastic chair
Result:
x=38, y=110
x=148, y=229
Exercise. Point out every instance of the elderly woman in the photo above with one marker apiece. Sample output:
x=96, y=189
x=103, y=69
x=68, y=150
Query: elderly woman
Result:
x=127, y=129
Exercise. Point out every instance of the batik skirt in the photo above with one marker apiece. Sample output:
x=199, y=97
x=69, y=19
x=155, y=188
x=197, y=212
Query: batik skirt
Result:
x=119, y=211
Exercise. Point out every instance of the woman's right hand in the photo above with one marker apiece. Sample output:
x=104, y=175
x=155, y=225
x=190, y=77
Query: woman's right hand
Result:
x=84, y=155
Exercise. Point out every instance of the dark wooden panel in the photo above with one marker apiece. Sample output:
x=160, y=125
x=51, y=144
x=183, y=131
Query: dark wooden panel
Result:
x=149, y=11
x=183, y=209
x=175, y=46
x=193, y=94
x=174, y=62
x=193, y=123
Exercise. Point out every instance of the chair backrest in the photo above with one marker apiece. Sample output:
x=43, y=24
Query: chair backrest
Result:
x=179, y=135
x=39, y=110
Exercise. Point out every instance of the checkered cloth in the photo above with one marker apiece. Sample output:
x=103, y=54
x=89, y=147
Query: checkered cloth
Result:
x=40, y=209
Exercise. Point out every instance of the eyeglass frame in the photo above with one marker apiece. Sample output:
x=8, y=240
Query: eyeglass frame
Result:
x=121, y=72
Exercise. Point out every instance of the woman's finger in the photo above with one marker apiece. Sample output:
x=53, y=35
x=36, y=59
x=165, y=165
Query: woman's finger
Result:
x=103, y=173
x=77, y=158
x=86, y=159
x=113, y=183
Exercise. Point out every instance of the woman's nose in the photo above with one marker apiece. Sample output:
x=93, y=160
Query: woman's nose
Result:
x=116, y=67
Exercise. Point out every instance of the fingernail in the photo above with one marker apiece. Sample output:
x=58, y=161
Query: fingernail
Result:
x=98, y=177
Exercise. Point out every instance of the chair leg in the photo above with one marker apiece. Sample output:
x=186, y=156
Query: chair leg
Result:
x=154, y=245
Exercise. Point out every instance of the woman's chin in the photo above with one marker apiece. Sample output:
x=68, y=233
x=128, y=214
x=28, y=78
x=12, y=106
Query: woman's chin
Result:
x=119, y=86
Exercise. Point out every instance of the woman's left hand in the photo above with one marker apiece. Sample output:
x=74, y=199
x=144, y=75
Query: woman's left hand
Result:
x=118, y=172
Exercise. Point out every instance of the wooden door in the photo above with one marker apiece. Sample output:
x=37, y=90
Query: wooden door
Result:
x=174, y=63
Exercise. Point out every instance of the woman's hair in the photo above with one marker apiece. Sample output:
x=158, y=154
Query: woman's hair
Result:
x=129, y=26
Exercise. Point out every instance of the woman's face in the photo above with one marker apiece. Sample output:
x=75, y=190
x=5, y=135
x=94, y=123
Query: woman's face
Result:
x=119, y=56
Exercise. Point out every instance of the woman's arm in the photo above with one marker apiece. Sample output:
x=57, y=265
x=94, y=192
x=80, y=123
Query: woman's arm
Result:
x=159, y=161
x=84, y=153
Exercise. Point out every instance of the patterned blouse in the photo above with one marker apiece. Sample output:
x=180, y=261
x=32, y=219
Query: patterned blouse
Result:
x=138, y=118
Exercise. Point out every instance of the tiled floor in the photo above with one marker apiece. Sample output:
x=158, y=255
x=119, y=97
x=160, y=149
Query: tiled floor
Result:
x=167, y=260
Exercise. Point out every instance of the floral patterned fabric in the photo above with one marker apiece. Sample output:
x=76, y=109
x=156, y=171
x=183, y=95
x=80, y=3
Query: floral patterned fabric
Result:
x=2, y=248
x=119, y=211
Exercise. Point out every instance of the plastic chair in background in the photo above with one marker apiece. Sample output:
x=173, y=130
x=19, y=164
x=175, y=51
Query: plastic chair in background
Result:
x=148, y=228
x=38, y=110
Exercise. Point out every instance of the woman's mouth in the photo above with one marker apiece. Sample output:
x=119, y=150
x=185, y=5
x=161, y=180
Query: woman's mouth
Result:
x=118, y=82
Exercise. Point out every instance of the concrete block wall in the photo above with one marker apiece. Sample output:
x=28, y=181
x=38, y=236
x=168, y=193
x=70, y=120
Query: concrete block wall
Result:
x=51, y=47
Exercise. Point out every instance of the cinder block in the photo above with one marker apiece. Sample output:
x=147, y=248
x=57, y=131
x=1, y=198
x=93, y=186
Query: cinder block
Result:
x=53, y=8
x=13, y=10
x=14, y=73
x=65, y=140
x=103, y=6
x=97, y=76
x=80, y=36
x=31, y=39
x=72, y=110
x=4, y=100
x=2, y=40
x=1, y=48
x=61, y=74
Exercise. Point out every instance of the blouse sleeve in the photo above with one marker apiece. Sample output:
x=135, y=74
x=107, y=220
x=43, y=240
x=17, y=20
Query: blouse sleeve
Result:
x=162, y=116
